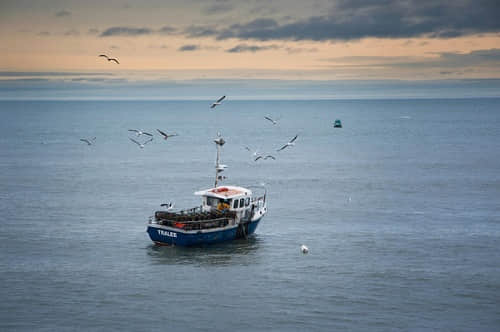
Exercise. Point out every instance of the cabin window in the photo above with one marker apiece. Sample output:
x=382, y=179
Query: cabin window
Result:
x=247, y=201
x=212, y=201
x=235, y=204
x=242, y=202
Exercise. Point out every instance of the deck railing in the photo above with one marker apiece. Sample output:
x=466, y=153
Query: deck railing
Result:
x=193, y=224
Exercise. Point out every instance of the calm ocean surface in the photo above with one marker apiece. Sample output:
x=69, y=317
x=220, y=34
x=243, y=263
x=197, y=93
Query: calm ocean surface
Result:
x=400, y=210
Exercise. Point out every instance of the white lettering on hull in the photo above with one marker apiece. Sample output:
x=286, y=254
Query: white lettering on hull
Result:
x=167, y=233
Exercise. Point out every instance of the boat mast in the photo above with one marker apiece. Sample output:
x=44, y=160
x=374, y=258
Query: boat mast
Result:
x=218, y=167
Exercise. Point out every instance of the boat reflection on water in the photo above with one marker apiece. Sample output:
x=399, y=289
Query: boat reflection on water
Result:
x=237, y=252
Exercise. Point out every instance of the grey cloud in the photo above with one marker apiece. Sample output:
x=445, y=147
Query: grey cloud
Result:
x=187, y=48
x=125, y=31
x=63, y=13
x=132, y=31
x=167, y=30
x=264, y=9
x=351, y=20
x=357, y=19
x=476, y=58
x=196, y=31
x=218, y=8
x=42, y=73
x=295, y=50
x=72, y=32
x=250, y=48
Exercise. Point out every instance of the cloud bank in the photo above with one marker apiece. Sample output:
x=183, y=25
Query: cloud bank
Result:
x=348, y=20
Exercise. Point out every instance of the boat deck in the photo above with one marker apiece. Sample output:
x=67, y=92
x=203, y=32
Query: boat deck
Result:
x=194, y=219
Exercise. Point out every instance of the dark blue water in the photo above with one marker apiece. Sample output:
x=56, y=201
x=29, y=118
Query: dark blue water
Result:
x=400, y=210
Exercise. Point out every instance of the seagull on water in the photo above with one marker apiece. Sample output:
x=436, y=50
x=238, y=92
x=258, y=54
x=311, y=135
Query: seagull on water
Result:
x=109, y=59
x=304, y=249
x=140, y=132
x=88, y=141
x=141, y=145
x=165, y=135
x=274, y=122
x=291, y=143
x=169, y=206
x=218, y=102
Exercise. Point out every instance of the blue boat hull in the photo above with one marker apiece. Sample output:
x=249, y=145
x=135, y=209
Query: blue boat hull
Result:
x=171, y=236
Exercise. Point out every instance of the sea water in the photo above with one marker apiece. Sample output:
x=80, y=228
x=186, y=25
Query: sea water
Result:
x=399, y=209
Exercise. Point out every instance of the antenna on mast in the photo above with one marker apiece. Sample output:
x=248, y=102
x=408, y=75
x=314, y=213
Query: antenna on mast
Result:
x=219, y=168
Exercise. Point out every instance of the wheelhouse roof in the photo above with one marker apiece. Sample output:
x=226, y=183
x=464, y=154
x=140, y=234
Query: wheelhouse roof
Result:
x=224, y=192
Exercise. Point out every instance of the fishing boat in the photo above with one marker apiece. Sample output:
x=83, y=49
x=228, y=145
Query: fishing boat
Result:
x=337, y=124
x=226, y=213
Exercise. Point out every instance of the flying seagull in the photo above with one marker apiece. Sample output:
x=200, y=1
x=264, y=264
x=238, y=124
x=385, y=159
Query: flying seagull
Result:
x=291, y=143
x=274, y=122
x=141, y=145
x=140, y=132
x=88, y=141
x=218, y=102
x=109, y=59
x=165, y=135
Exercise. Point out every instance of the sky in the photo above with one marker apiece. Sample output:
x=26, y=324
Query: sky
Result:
x=287, y=40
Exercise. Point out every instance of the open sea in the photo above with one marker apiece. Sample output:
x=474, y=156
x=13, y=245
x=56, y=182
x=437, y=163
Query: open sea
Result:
x=400, y=210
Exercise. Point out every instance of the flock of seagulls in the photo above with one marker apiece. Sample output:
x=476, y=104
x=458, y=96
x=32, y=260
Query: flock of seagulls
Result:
x=138, y=133
x=257, y=156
